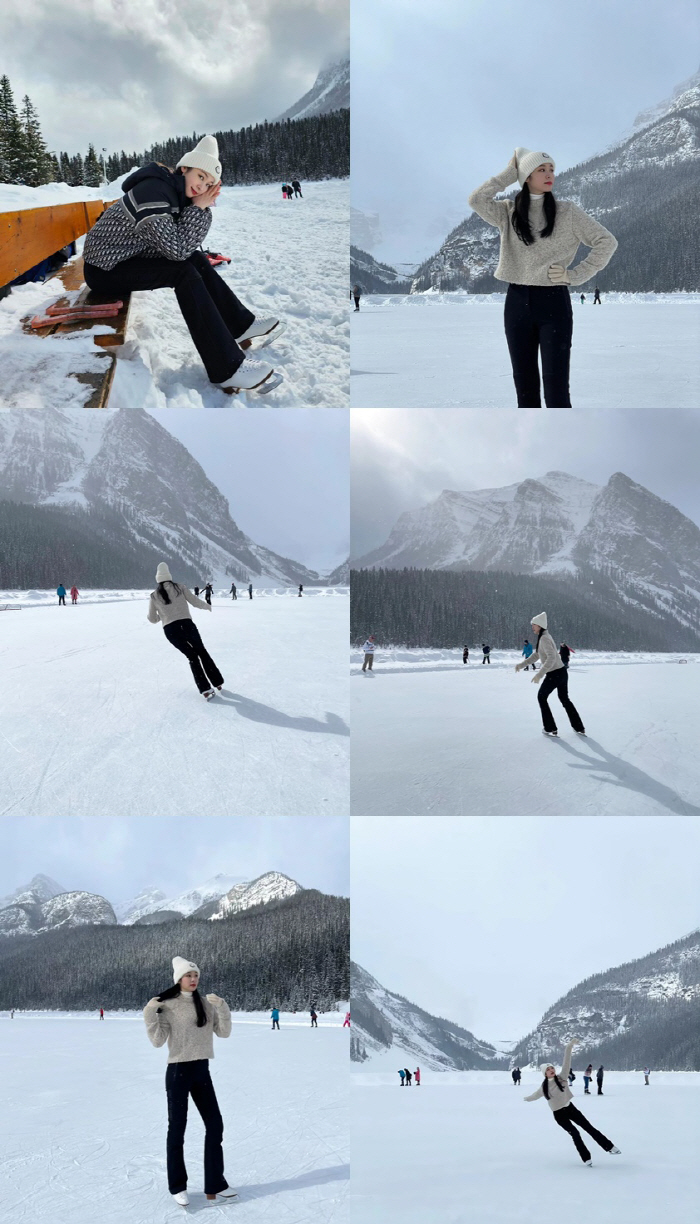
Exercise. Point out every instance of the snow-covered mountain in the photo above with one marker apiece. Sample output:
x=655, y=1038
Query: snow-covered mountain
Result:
x=559, y=525
x=375, y=277
x=125, y=468
x=644, y=188
x=383, y=1020
x=40, y=888
x=272, y=886
x=152, y=900
x=329, y=92
x=340, y=576
x=68, y=909
x=645, y=1011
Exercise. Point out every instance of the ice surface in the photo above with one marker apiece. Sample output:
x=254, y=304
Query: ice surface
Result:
x=432, y=736
x=449, y=351
x=85, y=1118
x=464, y=1148
x=288, y=260
x=101, y=716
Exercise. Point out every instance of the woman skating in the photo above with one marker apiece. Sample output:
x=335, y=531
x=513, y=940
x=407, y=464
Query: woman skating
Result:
x=551, y=675
x=556, y=1091
x=539, y=238
x=188, y=1022
x=168, y=604
x=149, y=240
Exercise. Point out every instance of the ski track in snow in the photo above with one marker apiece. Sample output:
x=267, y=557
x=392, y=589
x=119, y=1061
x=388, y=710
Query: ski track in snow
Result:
x=464, y=1148
x=85, y=1119
x=288, y=260
x=449, y=351
x=427, y=741
x=101, y=715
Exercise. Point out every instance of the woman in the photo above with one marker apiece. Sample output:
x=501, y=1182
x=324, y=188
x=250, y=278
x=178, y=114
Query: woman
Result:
x=587, y=1077
x=556, y=1091
x=539, y=238
x=149, y=240
x=554, y=675
x=188, y=1022
x=168, y=604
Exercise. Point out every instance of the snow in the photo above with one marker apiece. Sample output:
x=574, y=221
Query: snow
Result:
x=449, y=350
x=464, y=1146
x=101, y=715
x=83, y=1131
x=432, y=736
x=288, y=260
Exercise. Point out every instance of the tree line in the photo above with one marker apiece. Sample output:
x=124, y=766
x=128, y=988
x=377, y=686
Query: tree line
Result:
x=446, y=609
x=313, y=148
x=291, y=953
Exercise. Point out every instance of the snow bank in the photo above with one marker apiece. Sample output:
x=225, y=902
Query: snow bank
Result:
x=405, y=659
x=15, y=600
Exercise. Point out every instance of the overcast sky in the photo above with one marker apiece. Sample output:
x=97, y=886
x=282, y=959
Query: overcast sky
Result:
x=117, y=858
x=285, y=474
x=402, y=459
x=443, y=92
x=125, y=73
x=487, y=922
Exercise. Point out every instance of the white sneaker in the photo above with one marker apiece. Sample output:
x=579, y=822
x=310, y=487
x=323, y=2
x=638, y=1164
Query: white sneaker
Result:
x=182, y=1198
x=252, y=375
x=266, y=330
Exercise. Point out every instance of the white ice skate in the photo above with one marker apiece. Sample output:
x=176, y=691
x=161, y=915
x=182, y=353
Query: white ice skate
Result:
x=182, y=1198
x=614, y=1152
x=226, y=1196
x=588, y=1163
x=265, y=331
x=252, y=375
x=208, y=695
x=554, y=734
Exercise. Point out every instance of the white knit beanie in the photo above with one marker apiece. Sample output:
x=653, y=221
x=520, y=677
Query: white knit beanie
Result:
x=528, y=161
x=543, y=1066
x=205, y=156
x=540, y=620
x=181, y=967
x=163, y=573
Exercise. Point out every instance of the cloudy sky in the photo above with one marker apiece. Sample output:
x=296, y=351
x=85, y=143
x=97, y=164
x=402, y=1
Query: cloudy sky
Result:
x=124, y=73
x=117, y=858
x=443, y=92
x=402, y=459
x=285, y=474
x=487, y=922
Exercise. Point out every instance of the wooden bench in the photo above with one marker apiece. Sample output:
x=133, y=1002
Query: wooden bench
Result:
x=29, y=236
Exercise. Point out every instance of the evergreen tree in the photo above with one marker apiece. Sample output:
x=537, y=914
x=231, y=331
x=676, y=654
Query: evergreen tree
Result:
x=92, y=170
x=77, y=172
x=36, y=166
x=65, y=172
x=11, y=137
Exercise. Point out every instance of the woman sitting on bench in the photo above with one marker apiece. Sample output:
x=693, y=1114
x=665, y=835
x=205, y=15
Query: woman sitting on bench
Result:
x=149, y=240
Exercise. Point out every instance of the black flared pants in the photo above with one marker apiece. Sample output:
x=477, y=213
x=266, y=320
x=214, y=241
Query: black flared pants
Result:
x=182, y=1081
x=539, y=322
x=558, y=680
x=566, y=1118
x=184, y=636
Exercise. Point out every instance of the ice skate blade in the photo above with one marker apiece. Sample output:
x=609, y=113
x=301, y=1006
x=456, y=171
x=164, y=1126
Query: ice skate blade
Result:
x=267, y=385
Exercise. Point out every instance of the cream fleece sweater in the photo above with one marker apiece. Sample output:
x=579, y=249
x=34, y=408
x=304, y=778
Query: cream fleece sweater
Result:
x=557, y=1098
x=546, y=654
x=177, y=608
x=176, y=1023
x=529, y=265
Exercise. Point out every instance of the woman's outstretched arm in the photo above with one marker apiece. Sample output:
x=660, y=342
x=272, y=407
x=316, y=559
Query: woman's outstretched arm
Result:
x=483, y=202
x=157, y=1025
x=222, y=1015
x=534, y=1095
x=195, y=601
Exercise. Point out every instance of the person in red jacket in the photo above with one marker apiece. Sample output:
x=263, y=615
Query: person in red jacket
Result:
x=74, y=593
x=416, y=1076
x=102, y=1013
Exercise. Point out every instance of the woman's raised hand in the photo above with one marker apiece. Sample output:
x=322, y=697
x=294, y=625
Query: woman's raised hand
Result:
x=208, y=198
x=214, y=999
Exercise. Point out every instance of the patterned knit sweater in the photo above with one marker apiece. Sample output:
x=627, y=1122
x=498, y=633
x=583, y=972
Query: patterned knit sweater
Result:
x=529, y=265
x=175, y=1021
x=153, y=220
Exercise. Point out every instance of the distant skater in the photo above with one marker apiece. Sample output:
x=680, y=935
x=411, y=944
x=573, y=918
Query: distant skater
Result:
x=188, y=1023
x=208, y=592
x=565, y=653
x=169, y=605
x=527, y=651
x=465, y=654
x=74, y=593
x=408, y=1077
x=102, y=1013
x=402, y=1073
x=647, y=1073
x=301, y=590
x=368, y=649
x=583, y=298
x=232, y=592
x=297, y=188
x=275, y=1017
x=416, y=1077
x=551, y=675
x=556, y=1091
x=61, y=592
x=250, y=590
x=515, y=1074
x=599, y=1080
x=487, y=654
x=314, y=1018
x=356, y=294
x=596, y=298
x=587, y=1077
x=539, y=236
x=346, y=1021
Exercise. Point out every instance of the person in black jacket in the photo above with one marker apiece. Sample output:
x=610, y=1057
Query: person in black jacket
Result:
x=297, y=187
x=599, y=1079
x=487, y=653
x=149, y=239
x=207, y=593
x=250, y=590
x=465, y=654
x=564, y=653
x=233, y=591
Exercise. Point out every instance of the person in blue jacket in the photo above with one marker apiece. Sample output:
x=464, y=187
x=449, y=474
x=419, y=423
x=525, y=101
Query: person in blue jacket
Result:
x=402, y=1073
x=527, y=650
x=61, y=592
x=275, y=1017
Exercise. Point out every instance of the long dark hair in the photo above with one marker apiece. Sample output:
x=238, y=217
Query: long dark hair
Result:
x=521, y=215
x=163, y=594
x=545, y=1085
x=539, y=635
x=174, y=992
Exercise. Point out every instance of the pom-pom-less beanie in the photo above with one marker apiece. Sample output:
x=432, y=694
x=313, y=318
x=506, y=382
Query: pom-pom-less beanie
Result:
x=205, y=156
x=528, y=161
x=540, y=620
x=181, y=967
x=163, y=573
